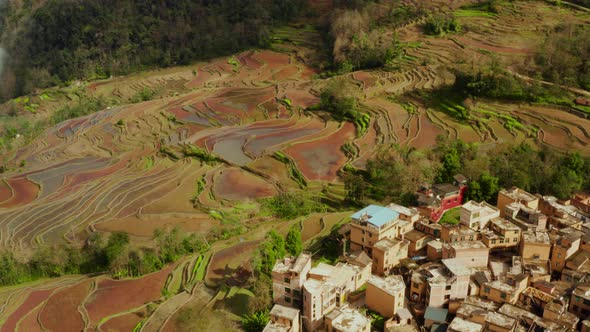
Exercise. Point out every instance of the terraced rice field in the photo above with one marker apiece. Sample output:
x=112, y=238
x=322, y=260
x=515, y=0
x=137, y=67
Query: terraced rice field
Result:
x=94, y=303
x=125, y=168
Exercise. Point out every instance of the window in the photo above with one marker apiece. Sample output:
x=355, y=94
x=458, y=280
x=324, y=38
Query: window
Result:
x=447, y=297
x=493, y=241
x=297, y=292
x=287, y=280
x=486, y=289
x=370, y=234
x=363, y=232
x=515, y=240
x=448, y=287
x=288, y=290
x=575, y=308
x=503, y=295
x=287, y=299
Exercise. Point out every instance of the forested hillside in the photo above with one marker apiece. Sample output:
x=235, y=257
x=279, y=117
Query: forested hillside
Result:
x=54, y=41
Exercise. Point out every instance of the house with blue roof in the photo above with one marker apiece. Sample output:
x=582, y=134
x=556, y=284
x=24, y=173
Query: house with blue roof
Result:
x=373, y=224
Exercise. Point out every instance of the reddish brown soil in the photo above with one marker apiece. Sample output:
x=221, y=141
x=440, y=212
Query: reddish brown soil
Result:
x=427, y=135
x=285, y=73
x=367, y=79
x=123, y=323
x=146, y=227
x=301, y=97
x=30, y=323
x=248, y=60
x=219, y=266
x=64, y=304
x=72, y=180
x=25, y=192
x=321, y=159
x=235, y=184
x=272, y=59
x=5, y=191
x=34, y=299
x=113, y=296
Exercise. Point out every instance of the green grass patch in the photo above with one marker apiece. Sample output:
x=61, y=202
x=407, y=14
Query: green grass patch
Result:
x=294, y=172
x=139, y=325
x=203, y=155
x=474, y=13
x=451, y=217
x=235, y=63
x=147, y=162
x=361, y=122
x=216, y=215
x=202, y=269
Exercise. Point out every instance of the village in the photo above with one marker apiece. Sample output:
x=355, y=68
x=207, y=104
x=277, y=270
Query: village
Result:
x=518, y=266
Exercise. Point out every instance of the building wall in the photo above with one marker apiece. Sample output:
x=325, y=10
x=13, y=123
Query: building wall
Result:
x=469, y=257
x=382, y=302
x=580, y=306
x=502, y=296
x=473, y=218
x=433, y=254
x=560, y=254
x=364, y=237
x=418, y=290
x=534, y=250
x=439, y=295
x=504, y=200
x=287, y=287
x=448, y=203
x=384, y=261
x=315, y=306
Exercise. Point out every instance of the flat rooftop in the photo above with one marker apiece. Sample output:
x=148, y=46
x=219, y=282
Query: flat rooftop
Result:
x=314, y=286
x=386, y=244
x=402, y=209
x=284, y=312
x=347, y=319
x=376, y=215
x=469, y=310
x=504, y=224
x=483, y=207
x=482, y=303
x=274, y=327
x=501, y=320
x=290, y=264
x=461, y=325
x=415, y=235
x=502, y=286
x=391, y=285
x=518, y=194
x=468, y=245
x=536, y=237
x=455, y=265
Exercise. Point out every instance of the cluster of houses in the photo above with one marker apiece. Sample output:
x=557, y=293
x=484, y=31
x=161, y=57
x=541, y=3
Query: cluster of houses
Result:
x=521, y=265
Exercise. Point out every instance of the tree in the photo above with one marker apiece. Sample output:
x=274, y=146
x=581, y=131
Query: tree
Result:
x=262, y=299
x=255, y=322
x=356, y=188
x=118, y=242
x=293, y=243
x=170, y=244
x=269, y=251
x=451, y=164
x=484, y=189
x=340, y=99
